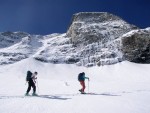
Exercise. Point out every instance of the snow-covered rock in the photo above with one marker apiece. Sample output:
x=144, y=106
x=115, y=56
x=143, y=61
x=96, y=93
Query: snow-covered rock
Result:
x=57, y=49
x=16, y=46
x=136, y=46
x=9, y=38
x=89, y=27
x=95, y=36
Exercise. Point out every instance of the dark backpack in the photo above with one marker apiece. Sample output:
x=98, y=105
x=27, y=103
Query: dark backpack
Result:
x=80, y=77
x=29, y=74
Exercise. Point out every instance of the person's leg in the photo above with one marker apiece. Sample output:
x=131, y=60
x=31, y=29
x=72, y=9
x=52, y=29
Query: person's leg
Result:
x=83, y=86
x=29, y=87
x=34, y=87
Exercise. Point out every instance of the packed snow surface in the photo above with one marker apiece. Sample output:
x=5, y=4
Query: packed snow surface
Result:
x=119, y=88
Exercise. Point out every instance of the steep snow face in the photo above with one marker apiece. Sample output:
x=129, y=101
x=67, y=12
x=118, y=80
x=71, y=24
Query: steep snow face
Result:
x=10, y=38
x=20, y=47
x=57, y=49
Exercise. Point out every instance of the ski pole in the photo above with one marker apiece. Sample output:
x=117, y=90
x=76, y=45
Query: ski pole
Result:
x=88, y=86
x=37, y=86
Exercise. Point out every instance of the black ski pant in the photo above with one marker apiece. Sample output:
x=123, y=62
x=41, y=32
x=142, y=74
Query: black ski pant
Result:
x=31, y=84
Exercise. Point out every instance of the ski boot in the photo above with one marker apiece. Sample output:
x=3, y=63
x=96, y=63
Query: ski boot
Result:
x=27, y=94
x=34, y=94
x=83, y=93
x=80, y=90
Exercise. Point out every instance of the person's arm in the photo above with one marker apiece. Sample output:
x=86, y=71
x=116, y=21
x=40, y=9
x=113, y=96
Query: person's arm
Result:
x=34, y=78
x=86, y=77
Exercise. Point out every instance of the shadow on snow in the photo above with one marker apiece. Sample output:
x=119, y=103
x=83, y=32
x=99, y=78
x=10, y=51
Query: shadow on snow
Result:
x=53, y=97
x=40, y=96
x=58, y=96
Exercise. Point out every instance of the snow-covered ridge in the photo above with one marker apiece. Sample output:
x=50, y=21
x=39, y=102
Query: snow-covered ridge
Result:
x=9, y=38
x=97, y=38
x=17, y=46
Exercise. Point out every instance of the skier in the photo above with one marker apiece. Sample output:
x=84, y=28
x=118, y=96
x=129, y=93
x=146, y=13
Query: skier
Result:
x=81, y=79
x=31, y=79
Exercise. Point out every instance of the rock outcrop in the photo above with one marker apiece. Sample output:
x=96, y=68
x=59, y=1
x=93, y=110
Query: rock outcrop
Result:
x=88, y=27
x=136, y=46
x=95, y=36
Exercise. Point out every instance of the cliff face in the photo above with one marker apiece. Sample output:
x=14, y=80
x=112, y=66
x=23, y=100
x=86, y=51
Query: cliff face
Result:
x=136, y=46
x=97, y=36
x=87, y=28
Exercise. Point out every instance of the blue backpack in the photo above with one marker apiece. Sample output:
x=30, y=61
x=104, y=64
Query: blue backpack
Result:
x=29, y=75
x=80, y=76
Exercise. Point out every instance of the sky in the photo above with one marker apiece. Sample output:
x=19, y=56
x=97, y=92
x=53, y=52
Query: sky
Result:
x=54, y=16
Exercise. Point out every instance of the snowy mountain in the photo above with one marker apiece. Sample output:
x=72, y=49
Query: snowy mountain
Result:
x=97, y=38
x=93, y=39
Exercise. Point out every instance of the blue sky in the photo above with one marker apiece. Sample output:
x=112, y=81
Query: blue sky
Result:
x=54, y=16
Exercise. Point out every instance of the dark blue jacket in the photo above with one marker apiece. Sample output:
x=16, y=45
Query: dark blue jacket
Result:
x=81, y=77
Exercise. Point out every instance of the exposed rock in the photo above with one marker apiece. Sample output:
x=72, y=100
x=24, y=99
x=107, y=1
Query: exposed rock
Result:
x=136, y=46
x=90, y=27
x=95, y=36
x=9, y=58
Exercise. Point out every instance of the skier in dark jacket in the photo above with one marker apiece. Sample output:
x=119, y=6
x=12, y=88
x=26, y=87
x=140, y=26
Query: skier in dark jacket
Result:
x=31, y=83
x=81, y=79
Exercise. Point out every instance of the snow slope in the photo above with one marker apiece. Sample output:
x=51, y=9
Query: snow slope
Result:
x=119, y=88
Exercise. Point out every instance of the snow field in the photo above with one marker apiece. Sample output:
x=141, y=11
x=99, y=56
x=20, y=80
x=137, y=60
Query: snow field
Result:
x=119, y=88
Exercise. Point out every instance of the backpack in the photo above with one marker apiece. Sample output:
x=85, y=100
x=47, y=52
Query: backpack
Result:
x=29, y=74
x=80, y=77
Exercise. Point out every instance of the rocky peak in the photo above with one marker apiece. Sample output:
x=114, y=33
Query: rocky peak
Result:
x=94, y=17
x=91, y=27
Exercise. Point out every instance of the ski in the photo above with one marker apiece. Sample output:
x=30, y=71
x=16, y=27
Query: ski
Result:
x=89, y=93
